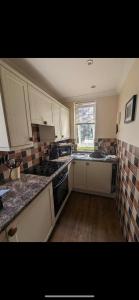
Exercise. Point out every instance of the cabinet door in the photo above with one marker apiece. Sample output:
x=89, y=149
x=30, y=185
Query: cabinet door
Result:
x=56, y=120
x=65, y=124
x=79, y=174
x=40, y=107
x=16, y=109
x=35, y=222
x=3, y=237
x=98, y=177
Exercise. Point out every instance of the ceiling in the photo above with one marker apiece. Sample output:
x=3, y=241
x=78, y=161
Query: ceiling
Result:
x=71, y=78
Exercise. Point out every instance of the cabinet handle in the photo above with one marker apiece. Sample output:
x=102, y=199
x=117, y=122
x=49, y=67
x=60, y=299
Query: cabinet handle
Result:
x=62, y=135
x=45, y=122
x=31, y=139
x=56, y=136
x=73, y=163
x=12, y=231
x=87, y=164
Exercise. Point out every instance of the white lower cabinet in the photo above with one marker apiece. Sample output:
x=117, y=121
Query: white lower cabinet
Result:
x=92, y=176
x=3, y=237
x=35, y=222
x=98, y=176
x=79, y=174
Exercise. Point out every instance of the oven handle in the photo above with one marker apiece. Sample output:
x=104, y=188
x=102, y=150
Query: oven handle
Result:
x=63, y=179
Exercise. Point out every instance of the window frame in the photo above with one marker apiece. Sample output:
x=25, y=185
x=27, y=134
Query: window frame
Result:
x=76, y=124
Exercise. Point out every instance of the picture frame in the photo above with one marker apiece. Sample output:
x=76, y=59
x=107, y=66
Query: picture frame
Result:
x=130, y=109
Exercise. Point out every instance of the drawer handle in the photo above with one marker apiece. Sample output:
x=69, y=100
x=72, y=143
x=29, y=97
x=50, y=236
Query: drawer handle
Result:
x=12, y=231
x=31, y=139
x=62, y=135
x=45, y=122
x=56, y=136
x=87, y=164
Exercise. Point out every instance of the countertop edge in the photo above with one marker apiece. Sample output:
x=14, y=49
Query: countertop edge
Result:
x=3, y=227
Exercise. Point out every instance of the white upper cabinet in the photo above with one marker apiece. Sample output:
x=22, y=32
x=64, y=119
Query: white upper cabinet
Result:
x=22, y=103
x=15, y=123
x=40, y=107
x=65, y=123
x=56, y=120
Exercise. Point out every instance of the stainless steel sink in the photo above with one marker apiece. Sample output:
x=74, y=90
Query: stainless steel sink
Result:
x=97, y=154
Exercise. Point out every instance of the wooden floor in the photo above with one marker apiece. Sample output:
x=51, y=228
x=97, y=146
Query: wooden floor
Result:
x=87, y=218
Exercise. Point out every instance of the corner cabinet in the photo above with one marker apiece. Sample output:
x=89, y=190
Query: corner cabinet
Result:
x=40, y=107
x=15, y=123
x=92, y=177
x=98, y=177
x=35, y=222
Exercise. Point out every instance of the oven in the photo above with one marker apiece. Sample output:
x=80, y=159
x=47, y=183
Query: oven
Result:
x=60, y=189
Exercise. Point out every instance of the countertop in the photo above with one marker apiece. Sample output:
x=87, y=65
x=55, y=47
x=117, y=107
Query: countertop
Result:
x=86, y=156
x=25, y=189
x=22, y=192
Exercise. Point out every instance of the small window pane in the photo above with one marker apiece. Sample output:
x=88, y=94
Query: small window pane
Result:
x=85, y=118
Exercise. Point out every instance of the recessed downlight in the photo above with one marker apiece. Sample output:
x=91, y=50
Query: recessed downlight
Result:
x=90, y=61
x=93, y=86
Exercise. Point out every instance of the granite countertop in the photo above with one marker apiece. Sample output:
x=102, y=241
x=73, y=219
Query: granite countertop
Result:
x=86, y=156
x=22, y=192
x=25, y=189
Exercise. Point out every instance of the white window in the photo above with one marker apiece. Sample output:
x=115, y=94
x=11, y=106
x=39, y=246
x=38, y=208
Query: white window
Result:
x=85, y=119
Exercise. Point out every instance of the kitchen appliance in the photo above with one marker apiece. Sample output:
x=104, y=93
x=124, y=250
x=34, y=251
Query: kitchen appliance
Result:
x=54, y=152
x=65, y=149
x=59, y=183
x=60, y=189
x=59, y=150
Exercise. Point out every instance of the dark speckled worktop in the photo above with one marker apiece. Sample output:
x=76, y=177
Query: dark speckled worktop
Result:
x=22, y=192
x=25, y=189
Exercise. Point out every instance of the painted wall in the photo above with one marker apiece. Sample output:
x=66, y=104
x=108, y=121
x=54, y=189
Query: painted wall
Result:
x=129, y=132
x=106, y=113
x=128, y=152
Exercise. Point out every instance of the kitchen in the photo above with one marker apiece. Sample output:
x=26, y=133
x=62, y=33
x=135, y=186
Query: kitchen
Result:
x=69, y=151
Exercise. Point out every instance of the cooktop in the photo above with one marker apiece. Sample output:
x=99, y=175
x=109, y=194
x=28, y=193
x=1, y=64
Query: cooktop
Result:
x=45, y=168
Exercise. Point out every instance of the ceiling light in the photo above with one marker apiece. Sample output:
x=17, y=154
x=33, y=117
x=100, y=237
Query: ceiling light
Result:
x=90, y=61
x=93, y=86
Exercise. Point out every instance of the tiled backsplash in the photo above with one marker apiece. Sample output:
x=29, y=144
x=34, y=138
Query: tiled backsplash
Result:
x=128, y=190
x=107, y=145
x=29, y=156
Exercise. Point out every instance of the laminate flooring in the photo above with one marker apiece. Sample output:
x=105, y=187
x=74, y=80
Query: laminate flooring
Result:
x=88, y=218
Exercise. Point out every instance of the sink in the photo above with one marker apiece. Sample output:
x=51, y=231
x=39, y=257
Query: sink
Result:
x=97, y=154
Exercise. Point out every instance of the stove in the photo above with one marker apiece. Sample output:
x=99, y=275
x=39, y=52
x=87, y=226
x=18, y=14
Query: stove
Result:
x=45, y=168
x=59, y=182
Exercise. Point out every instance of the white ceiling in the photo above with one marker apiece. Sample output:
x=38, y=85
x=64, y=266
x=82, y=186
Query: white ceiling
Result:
x=71, y=78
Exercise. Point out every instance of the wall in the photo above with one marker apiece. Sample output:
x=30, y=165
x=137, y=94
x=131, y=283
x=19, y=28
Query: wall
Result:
x=128, y=152
x=129, y=132
x=106, y=113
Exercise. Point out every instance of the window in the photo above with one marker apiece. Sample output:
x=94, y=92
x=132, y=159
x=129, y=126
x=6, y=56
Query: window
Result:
x=85, y=118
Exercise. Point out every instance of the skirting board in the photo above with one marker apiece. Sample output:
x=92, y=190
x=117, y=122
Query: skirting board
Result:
x=108, y=195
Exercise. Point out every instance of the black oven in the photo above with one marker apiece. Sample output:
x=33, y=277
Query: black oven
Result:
x=60, y=189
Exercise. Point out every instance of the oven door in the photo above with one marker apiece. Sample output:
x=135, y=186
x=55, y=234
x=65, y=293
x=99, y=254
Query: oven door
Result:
x=60, y=191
